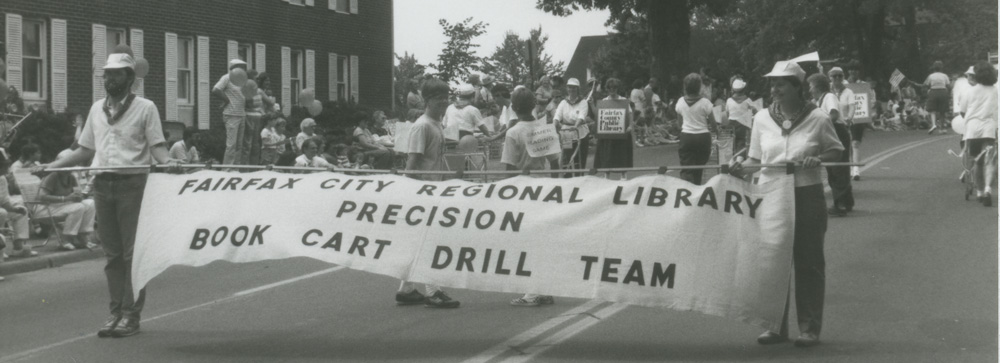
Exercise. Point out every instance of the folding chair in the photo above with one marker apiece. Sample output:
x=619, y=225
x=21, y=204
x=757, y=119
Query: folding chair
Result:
x=38, y=211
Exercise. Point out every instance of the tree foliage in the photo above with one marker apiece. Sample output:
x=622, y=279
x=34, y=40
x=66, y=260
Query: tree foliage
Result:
x=457, y=60
x=406, y=69
x=510, y=61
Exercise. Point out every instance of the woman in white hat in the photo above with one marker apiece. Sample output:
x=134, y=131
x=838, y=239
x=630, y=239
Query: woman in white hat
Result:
x=979, y=107
x=793, y=130
x=740, y=111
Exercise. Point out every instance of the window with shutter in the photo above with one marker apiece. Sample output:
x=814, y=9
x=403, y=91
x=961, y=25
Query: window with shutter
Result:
x=340, y=6
x=354, y=79
x=311, y=69
x=204, y=96
x=260, y=60
x=99, y=38
x=296, y=75
x=136, y=42
x=286, y=85
x=14, y=68
x=332, y=68
x=232, y=51
x=245, y=53
x=59, y=96
x=343, y=78
x=354, y=6
x=170, y=76
x=310, y=2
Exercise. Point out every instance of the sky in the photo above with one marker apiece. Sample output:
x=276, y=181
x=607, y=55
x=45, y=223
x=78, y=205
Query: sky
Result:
x=417, y=30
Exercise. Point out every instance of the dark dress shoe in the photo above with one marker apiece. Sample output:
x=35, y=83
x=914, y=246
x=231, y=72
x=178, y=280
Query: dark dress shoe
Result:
x=126, y=327
x=806, y=340
x=108, y=326
x=770, y=337
x=413, y=297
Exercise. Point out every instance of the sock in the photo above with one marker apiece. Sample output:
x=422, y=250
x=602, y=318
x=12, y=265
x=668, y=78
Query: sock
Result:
x=432, y=289
x=406, y=286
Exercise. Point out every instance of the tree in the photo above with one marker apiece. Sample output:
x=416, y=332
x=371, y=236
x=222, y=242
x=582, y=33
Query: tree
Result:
x=510, y=64
x=405, y=70
x=457, y=61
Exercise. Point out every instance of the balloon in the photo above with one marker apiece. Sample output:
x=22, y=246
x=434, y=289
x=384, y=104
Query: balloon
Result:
x=136, y=84
x=238, y=77
x=958, y=124
x=3, y=92
x=141, y=67
x=250, y=89
x=307, y=96
x=315, y=108
x=122, y=48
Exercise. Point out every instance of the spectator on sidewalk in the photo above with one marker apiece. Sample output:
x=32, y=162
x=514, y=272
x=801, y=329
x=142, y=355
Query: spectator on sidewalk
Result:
x=118, y=194
x=185, y=150
x=29, y=158
x=310, y=157
x=64, y=198
x=14, y=212
x=273, y=139
x=308, y=127
x=233, y=112
x=253, y=126
x=365, y=141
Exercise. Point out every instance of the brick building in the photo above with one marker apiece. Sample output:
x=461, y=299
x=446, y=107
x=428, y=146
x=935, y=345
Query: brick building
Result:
x=54, y=50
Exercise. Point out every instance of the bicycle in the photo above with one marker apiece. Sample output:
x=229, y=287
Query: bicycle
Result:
x=971, y=165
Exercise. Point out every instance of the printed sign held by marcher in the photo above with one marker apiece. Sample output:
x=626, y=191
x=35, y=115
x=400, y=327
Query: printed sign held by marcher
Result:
x=543, y=140
x=612, y=119
x=864, y=103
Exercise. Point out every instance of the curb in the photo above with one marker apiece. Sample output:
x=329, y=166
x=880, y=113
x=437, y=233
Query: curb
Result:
x=49, y=260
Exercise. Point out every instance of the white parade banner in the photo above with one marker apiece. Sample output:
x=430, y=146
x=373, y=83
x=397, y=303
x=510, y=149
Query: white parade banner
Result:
x=724, y=248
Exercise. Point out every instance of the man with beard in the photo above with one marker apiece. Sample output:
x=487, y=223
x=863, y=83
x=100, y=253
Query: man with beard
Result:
x=122, y=129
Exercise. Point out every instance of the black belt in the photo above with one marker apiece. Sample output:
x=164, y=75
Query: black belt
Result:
x=117, y=176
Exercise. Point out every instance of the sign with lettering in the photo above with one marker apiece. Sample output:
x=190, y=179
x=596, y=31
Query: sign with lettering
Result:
x=543, y=140
x=864, y=102
x=613, y=119
x=723, y=248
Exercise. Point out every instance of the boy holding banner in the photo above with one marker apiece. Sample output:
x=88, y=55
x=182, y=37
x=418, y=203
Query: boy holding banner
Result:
x=426, y=152
x=530, y=145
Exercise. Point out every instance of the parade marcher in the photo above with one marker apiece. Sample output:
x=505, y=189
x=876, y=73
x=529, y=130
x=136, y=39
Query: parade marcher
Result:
x=233, y=112
x=697, y=126
x=465, y=114
x=979, y=107
x=937, y=95
x=426, y=153
x=185, y=149
x=793, y=130
x=740, y=111
x=839, y=177
x=13, y=212
x=63, y=197
x=963, y=83
x=515, y=157
x=122, y=129
x=637, y=97
x=856, y=132
x=308, y=127
x=615, y=153
x=573, y=112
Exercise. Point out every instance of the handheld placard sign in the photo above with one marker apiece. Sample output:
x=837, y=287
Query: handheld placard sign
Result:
x=613, y=119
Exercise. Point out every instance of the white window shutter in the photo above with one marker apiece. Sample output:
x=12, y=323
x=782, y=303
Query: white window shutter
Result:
x=137, y=49
x=310, y=2
x=354, y=78
x=260, y=61
x=204, y=97
x=286, y=80
x=354, y=6
x=333, y=76
x=170, y=76
x=100, y=52
x=14, y=63
x=59, y=80
x=232, y=51
x=311, y=69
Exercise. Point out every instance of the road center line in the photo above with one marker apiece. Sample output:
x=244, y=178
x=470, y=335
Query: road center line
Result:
x=29, y=353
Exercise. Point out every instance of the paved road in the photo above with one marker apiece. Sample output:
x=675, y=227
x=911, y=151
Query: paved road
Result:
x=912, y=277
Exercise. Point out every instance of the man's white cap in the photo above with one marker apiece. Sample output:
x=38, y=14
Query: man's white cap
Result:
x=573, y=82
x=120, y=60
x=787, y=68
x=739, y=84
x=465, y=90
x=236, y=62
x=972, y=70
x=307, y=122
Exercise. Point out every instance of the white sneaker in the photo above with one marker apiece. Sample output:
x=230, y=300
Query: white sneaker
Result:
x=931, y=131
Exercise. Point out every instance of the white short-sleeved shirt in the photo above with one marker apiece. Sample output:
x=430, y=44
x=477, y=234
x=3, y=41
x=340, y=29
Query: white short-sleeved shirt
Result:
x=847, y=104
x=937, y=80
x=812, y=137
x=829, y=103
x=269, y=136
x=468, y=118
x=237, y=102
x=515, y=149
x=124, y=142
x=980, y=107
x=638, y=99
x=301, y=138
x=741, y=112
x=694, y=117
x=958, y=92
x=180, y=151
x=316, y=162
x=427, y=140
x=569, y=114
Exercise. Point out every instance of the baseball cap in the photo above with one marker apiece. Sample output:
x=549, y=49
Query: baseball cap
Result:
x=739, y=84
x=787, y=68
x=120, y=60
x=835, y=71
x=573, y=82
x=236, y=62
